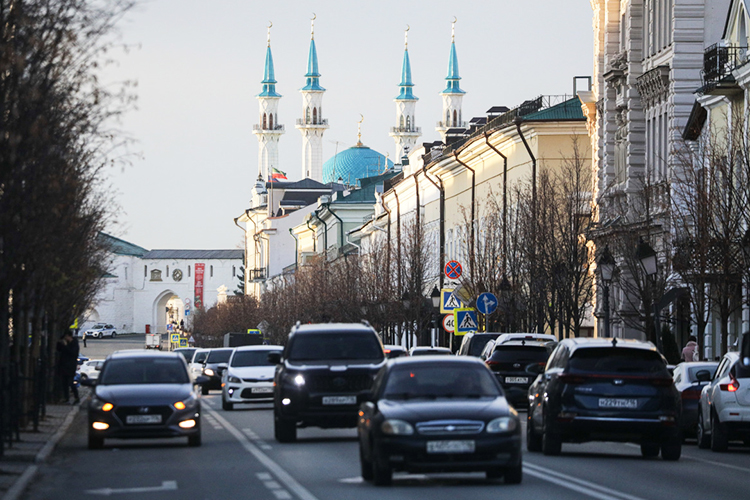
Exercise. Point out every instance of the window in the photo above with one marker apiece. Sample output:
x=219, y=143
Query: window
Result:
x=408, y=124
x=188, y=271
x=156, y=275
x=401, y=122
x=233, y=271
x=167, y=270
x=264, y=121
x=307, y=115
x=145, y=271
x=211, y=271
x=270, y=121
x=315, y=116
x=455, y=118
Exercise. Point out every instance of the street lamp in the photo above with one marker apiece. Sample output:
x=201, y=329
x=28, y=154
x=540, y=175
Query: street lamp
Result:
x=435, y=296
x=647, y=256
x=606, y=267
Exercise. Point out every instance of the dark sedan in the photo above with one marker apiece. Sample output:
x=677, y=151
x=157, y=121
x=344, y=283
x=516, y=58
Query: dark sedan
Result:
x=438, y=414
x=143, y=395
x=214, y=366
x=689, y=379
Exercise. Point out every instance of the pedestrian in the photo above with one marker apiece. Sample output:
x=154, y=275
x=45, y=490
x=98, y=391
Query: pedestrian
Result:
x=67, y=362
x=690, y=351
x=83, y=336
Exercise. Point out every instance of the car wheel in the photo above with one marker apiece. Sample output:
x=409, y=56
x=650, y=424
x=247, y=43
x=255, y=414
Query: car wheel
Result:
x=226, y=405
x=533, y=440
x=204, y=390
x=514, y=475
x=672, y=449
x=365, y=465
x=195, y=440
x=649, y=450
x=98, y=335
x=551, y=442
x=114, y=335
x=95, y=442
x=285, y=431
x=84, y=377
x=704, y=439
x=719, y=437
x=382, y=475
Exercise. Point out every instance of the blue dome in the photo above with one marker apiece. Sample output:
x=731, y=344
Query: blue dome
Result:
x=353, y=164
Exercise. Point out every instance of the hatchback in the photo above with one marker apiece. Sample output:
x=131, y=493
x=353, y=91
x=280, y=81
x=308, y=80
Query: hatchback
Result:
x=248, y=377
x=689, y=379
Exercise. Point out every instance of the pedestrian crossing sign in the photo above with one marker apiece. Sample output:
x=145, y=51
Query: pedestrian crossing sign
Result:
x=465, y=320
x=449, y=301
x=174, y=338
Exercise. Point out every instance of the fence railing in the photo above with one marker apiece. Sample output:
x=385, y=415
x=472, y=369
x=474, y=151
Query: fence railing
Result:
x=719, y=61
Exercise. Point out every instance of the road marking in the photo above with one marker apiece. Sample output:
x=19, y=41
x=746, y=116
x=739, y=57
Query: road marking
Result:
x=212, y=421
x=272, y=466
x=728, y=466
x=252, y=435
x=572, y=483
x=165, y=486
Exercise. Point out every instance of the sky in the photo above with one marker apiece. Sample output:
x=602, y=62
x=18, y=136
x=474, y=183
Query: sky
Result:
x=198, y=66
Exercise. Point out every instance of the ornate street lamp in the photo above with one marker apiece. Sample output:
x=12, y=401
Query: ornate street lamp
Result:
x=606, y=266
x=647, y=256
x=435, y=296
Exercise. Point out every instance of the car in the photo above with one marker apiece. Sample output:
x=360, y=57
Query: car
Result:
x=395, y=351
x=429, y=351
x=438, y=414
x=724, y=406
x=248, y=377
x=214, y=366
x=144, y=394
x=473, y=343
x=324, y=372
x=195, y=365
x=516, y=363
x=82, y=359
x=100, y=330
x=603, y=389
x=508, y=337
x=187, y=352
x=689, y=379
x=91, y=369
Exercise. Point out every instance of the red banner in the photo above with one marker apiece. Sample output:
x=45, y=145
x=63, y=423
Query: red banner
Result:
x=200, y=269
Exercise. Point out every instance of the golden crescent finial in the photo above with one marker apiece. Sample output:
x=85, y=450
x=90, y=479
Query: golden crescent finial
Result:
x=270, y=25
x=359, y=129
x=314, y=16
x=406, y=37
x=453, y=28
x=312, y=26
x=361, y=118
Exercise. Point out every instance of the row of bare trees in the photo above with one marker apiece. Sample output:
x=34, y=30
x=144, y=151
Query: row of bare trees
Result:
x=55, y=142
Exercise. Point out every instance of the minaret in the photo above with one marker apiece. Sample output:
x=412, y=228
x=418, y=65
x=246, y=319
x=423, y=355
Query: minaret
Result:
x=268, y=128
x=312, y=124
x=405, y=133
x=452, y=95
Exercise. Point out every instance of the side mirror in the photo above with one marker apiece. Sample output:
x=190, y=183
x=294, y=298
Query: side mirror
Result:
x=201, y=380
x=745, y=349
x=88, y=382
x=703, y=376
x=274, y=358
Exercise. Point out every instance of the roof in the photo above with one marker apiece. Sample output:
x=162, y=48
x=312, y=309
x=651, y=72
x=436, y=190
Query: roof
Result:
x=568, y=110
x=406, y=83
x=313, y=74
x=332, y=328
x=144, y=353
x=269, y=79
x=588, y=342
x=353, y=164
x=306, y=183
x=195, y=254
x=299, y=199
x=120, y=247
x=366, y=192
x=453, y=78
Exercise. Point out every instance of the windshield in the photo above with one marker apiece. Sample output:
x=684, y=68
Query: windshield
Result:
x=341, y=345
x=618, y=360
x=144, y=370
x=252, y=358
x=520, y=354
x=219, y=356
x=200, y=356
x=187, y=354
x=478, y=342
x=440, y=381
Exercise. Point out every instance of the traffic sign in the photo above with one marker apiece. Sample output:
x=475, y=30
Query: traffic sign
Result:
x=183, y=342
x=187, y=312
x=448, y=323
x=253, y=331
x=449, y=301
x=465, y=320
x=169, y=327
x=453, y=270
x=486, y=303
x=174, y=338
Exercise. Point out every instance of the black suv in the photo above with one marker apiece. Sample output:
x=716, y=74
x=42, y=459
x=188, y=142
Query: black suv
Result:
x=605, y=390
x=323, y=374
x=516, y=363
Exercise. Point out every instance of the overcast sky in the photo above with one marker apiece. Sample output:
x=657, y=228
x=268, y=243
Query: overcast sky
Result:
x=199, y=64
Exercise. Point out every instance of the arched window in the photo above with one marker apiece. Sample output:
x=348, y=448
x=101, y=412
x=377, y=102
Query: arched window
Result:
x=315, y=116
x=264, y=121
x=455, y=118
x=401, y=122
x=307, y=115
x=408, y=124
x=270, y=121
x=448, y=118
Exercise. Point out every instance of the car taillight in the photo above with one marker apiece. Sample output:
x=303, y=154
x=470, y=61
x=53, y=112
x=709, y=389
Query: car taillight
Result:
x=731, y=386
x=492, y=363
x=567, y=378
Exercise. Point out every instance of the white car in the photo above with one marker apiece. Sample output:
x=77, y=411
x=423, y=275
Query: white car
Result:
x=90, y=369
x=249, y=376
x=195, y=367
x=724, y=407
x=100, y=330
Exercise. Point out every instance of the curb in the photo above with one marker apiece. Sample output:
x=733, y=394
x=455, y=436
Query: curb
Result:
x=20, y=485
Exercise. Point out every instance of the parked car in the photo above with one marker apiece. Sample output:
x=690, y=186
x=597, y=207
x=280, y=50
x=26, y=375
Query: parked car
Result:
x=438, y=414
x=101, y=330
x=249, y=376
x=596, y=389
x=473, y=343
x=724, y=406
x=195, y=366
x=323, y=374
x=90, y=369
x=516, y=363
x=689, y=379
x=425, y=350
x=214, y=366
x=395, y=351
x=144, y=394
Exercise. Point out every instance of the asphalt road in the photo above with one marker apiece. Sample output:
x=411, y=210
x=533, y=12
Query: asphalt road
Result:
x=239, y=459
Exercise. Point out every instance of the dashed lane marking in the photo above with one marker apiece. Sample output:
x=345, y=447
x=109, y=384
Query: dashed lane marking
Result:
x=573, y=483
x=252, y=435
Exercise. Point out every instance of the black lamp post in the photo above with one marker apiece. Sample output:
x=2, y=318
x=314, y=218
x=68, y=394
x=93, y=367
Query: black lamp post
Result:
x=435, y=298
x=606, y=267
x=647, y=256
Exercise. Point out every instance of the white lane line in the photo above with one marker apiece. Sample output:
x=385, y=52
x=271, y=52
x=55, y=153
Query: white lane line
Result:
x=573, y=483
x=264, y=476
x=719, y=464
x=252, y=435
x=281, y=494
x=272, y=466
x=165, y=486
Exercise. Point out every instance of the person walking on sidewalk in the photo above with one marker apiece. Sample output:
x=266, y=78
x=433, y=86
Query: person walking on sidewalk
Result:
x=67, y=362
x=690, y=351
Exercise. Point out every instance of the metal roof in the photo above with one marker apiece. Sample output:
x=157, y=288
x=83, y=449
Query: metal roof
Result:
x=195, y=254
x=120, y=247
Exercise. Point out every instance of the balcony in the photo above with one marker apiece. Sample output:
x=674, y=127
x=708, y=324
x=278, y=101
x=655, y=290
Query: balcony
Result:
x=451, y=124
x=309, y=123
x=256, y=275
x=718, y=64
x=406, y=130
x=275, y=128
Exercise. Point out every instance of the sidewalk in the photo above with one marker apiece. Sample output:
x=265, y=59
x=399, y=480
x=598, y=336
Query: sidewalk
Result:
x=19, y=463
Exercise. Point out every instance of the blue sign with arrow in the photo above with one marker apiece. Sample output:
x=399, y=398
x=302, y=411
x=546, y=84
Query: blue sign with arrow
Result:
x=486, y=303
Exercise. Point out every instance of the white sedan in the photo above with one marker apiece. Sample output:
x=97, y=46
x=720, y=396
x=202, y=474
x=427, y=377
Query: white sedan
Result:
x=249, y=376
x=90, y=369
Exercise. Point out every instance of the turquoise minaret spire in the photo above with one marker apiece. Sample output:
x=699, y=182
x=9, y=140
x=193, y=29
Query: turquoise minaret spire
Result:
x=453, y=94
x=312, y=74
x=405, y=133
x=406, y=83
x=269, y=78
x=268, y=130
x=453, y=78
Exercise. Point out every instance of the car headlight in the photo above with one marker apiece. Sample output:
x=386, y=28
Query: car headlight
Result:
x=502, y=424
x=395, y=427
x=185, y=403
x=99, y=404
x=233, y=379
x=299, y=380
x=209, y=372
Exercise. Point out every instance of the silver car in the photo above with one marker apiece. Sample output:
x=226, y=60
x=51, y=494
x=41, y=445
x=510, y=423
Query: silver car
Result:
x=100, y=330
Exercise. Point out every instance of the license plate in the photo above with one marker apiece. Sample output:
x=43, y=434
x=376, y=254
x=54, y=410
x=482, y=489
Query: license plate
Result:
x=339, y=400
x=467, y=446
x=630, y=404
x=143, y=419
x=516, y=380
x=261, y=390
